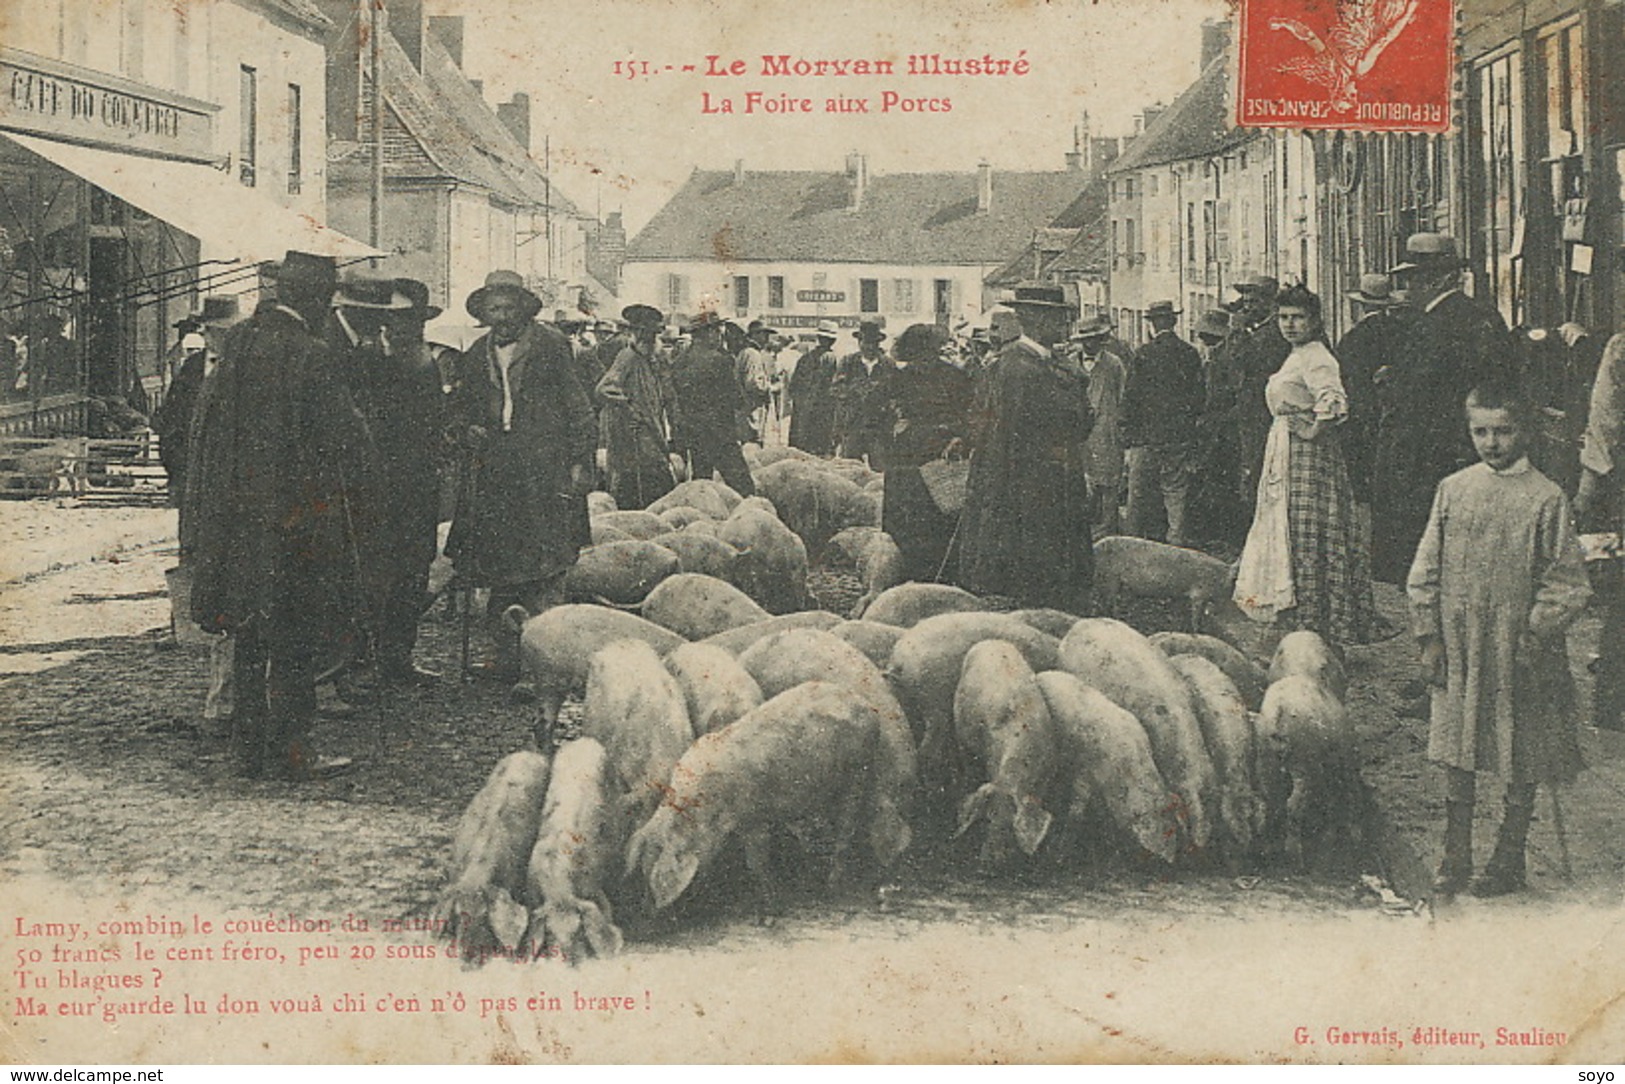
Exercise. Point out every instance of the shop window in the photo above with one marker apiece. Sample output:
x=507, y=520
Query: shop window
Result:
x=248, y=102
x=1500, y=209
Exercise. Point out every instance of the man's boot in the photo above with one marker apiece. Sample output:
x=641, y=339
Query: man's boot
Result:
x=1456, y=868
x=1504, y=873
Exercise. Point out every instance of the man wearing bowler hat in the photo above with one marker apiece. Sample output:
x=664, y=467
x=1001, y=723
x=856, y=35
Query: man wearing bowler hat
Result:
x=273, y=541
x=708, y=401
x=528, y=435
x=857, y=389
x=637, y=401
x=1379, y=338
x=1162, y=404
x=1454, y=345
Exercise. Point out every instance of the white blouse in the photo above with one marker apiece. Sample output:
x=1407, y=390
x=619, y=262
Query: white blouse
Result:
x=1308, y=381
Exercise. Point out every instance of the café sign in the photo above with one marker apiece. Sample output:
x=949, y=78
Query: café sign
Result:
x=52, y=98
x=821, y=297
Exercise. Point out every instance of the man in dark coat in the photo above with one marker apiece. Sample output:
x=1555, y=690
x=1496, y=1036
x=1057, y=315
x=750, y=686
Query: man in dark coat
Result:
x=279, y=447
x=1256, y=350
x=1162, y=404
x=860, y=423
x=637, y=401
x=812, y=411
x=521, y=514
x=1217, y=512
x=928, y=403
x=1455, y=345
x=1375, y=340
x=708, y=402
x=399, y=393
x=1025, y=528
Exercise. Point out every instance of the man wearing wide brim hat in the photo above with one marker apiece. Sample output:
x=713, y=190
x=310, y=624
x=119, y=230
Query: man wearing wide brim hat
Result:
x=1379, y=338
x=529, y=438
x=1453, y=345
x=272, y=481
x=637, y=400
x=1045, y=312
x=1163, y=399
x=1254, y=351
x=705, y=422
x=754, y=366
x=807, y=394
x=859, y=389
x=1108, y=374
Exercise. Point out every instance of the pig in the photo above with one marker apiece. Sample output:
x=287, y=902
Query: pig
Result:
x=480, y=911
x=772, y=563
x=813, y=753
x=1121, y=663
x=864, y=508
x=855, y=471
x=712, y=498
x=877, y=558
x=925, y=665
x=1142, y=568
x=812, y=502
x=1248, y=676
x=1106, y=759
x=603, y=534
x=696, y=606
x=678, y=518
x=1306, y=653
x=1056, y=623
x=737, y=641
x=907, y=604
x=599, y=503
x=796, y=656
x=635, y=709
x=716, y=688
x=758, y=503
x=870, y=637
x=1227, y=731
x=707, y=527
x=640, y=525
x=557, y=646
x=621, y=573
x=1006, y=736
x=1308, y=764
x=700, y=552
x=577, y=856
x=766, y=457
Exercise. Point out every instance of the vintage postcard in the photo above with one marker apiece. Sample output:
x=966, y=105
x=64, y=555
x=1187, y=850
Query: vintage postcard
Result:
x=383, y=392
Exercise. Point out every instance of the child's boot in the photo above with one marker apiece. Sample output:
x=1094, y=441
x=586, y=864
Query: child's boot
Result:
x=1456, y=868
x=1504, y=873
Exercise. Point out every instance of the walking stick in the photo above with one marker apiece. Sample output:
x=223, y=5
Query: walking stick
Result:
x=1562, y=834
x=465, y=585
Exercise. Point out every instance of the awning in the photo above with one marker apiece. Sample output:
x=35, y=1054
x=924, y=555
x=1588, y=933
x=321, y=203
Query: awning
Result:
x=242, y=223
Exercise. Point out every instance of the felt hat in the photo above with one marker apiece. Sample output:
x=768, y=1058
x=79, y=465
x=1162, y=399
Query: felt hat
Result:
x=705, y=318
x=1375, y=289
x=1214, y=324
x=827, y=329
x=919, y=343
x=757, y=326
x=304, y=269
x=368, y=291
x=1093, y=327
x=1261, y=285
x=1433, y=251
x=606, y=327
x=1161, y=308
x=1037, y=297
x=217, y=311
x=644, y=317
x=870, y=331
x=502, y=282
x=418, y=294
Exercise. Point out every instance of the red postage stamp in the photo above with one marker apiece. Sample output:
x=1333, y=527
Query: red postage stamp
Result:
x=1368, y=65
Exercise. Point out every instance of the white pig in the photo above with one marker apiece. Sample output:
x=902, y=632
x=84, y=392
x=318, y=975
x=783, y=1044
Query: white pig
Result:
x=1143, y=568
x=636, y=711
x=1227, y=730
x=1005, y=736
x=577, y=855
x=1304, y=652
x=1308, y=763
x=716, y=688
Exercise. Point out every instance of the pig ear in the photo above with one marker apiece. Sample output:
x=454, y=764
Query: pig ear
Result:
x=671, y=875
x=1032, y=824
x=974, y=807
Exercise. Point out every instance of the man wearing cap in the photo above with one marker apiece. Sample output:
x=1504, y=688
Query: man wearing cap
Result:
x=399, y=393
x=521, y=511
x=754, y=367
x=860, y=428
x=1257, y=350
x=812, y=410
x=1455, y=345
x=273, y=543
x=1378, y=338
x=1162, y=404
x=1107, y=374
x=637, y=400
x=705, y=417
x=1025, y=528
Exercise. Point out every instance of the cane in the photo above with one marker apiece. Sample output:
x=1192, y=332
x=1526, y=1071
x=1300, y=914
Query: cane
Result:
x=465, y=585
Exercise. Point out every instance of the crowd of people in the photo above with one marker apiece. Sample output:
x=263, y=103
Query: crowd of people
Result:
x=316, y=445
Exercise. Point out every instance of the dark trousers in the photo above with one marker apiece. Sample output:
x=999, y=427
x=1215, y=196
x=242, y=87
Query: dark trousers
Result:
x=726, y=458
x=399, y=608
x=635, y=488
x=1608, y=695
x=275, y=697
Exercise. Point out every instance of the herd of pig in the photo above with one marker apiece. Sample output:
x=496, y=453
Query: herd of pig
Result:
x=724, y=711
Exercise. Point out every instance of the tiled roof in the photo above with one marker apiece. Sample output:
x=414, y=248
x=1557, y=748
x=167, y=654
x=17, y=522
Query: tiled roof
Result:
x=1069, y=235
x=1196, y=125
x=905, y=218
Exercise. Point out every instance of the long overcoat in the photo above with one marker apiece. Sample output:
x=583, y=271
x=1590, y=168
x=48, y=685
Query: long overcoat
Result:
x=518, y=518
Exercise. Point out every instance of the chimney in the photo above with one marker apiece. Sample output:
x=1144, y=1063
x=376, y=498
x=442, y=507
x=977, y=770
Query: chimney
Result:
x=984, y=187
x=1152, y=112
x=407, y=23
x=515, y=116
x=448, y=31
x=1215, y=39
x=857, y=171
x=739, y=171
x=1074, y=161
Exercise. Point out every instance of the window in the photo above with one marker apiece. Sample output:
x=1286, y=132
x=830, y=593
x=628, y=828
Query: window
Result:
x=247, y=97
x=942, y=300
x=1500, y=206
x=1156, y=184
x=903, y=295
x=742, y=294
x=676, y=291
x=868, y=295
x=1128, y=187
x=1131, y=242
x=296, y=140
x=1156, y=246
x=775, y=291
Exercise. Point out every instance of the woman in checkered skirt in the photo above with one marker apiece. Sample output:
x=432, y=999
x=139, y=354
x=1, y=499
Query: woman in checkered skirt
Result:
x=1304, y=565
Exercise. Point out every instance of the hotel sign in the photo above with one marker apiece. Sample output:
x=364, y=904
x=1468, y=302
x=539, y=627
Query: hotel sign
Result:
x=51, y=98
